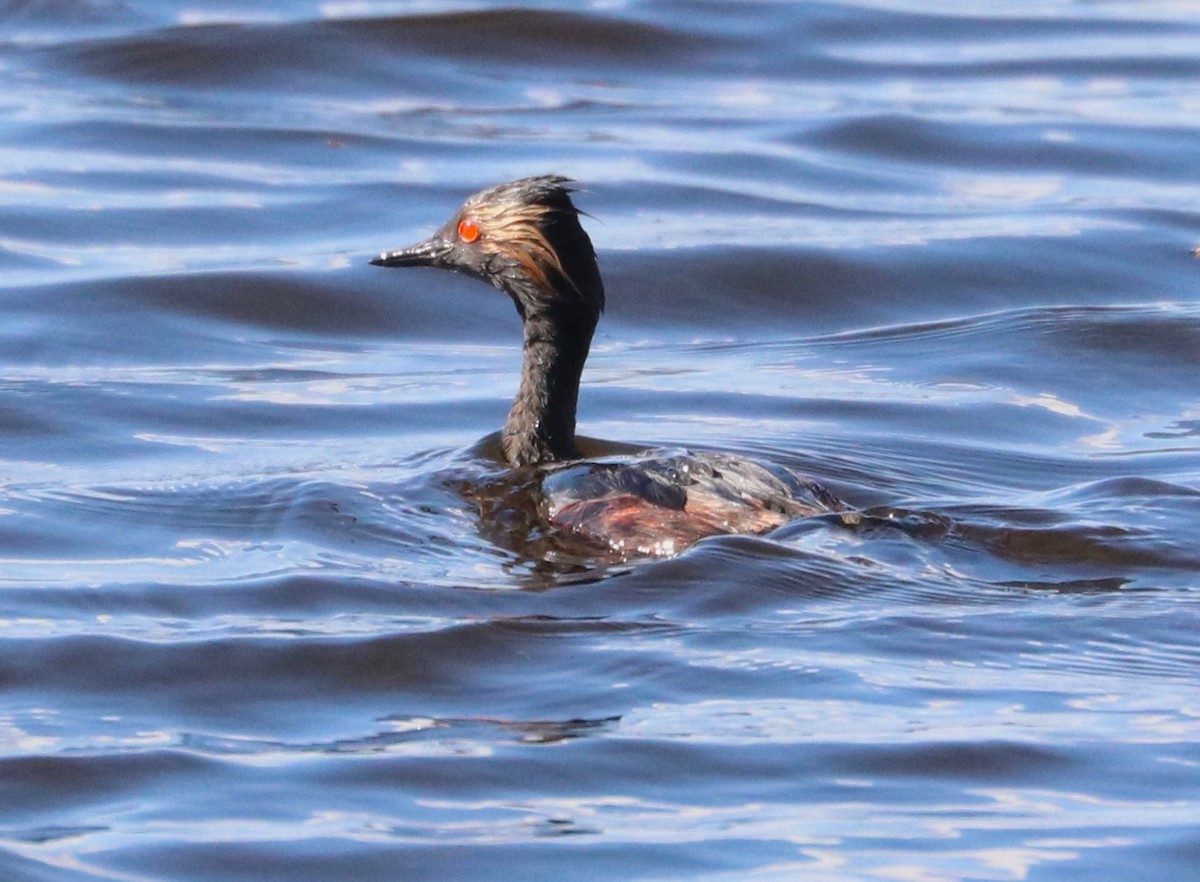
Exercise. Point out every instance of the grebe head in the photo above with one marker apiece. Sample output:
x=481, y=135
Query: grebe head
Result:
x=524, y=237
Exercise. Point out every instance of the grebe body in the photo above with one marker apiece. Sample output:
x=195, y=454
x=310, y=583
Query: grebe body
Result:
x=525, y=238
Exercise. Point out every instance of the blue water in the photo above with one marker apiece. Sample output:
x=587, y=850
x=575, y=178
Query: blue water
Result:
x=938, y=256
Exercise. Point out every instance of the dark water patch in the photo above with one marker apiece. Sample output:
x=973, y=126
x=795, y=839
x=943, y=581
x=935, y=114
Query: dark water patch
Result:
x=241, y=56
x=171, y=313
x=1101, y=151
x=201, y=675
x=1126, y=492
x=1118, y=345
x=431, y=859
x=228, y=56
x=837, y=22
x=974, y=761
x=1169, y=337
x=818, y=292
x=1097, y=545
x=540, y=37
x=1176, y=65
x=38, y=783
x=1185, y=222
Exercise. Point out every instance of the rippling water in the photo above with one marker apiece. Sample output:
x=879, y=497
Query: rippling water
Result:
x=937, y=255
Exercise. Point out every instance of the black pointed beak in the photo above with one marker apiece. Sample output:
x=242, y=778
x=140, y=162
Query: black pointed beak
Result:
x=431, y=252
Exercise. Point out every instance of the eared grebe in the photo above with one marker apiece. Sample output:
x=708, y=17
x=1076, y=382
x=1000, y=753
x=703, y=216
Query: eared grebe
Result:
x=525, y=238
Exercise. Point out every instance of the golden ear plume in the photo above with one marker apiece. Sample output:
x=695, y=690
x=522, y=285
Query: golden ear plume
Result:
x=515, y=229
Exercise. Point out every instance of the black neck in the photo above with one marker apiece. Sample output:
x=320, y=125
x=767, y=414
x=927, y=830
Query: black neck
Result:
x=541, y=425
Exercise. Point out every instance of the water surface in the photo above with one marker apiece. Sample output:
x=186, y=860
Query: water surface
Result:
x=936, y=255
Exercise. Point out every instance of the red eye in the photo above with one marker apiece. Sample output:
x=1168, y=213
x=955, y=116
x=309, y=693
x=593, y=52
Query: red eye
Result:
x=468, y=229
